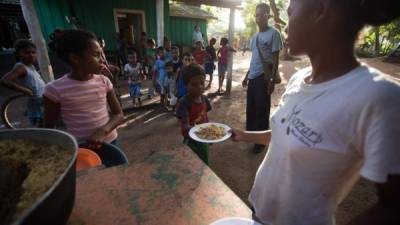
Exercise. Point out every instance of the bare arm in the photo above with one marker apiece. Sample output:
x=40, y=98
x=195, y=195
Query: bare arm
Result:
x=256, y=137
x=9, y=79
x=51, y=112
x=386, y=211
x=245, y=79
x=116, y=119
x=275, y=63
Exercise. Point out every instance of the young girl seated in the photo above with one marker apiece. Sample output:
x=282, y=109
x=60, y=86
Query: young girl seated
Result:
x=81, y=97
x=25, y=79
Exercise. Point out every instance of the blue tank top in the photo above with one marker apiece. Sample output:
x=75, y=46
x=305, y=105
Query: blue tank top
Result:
x=32, y=80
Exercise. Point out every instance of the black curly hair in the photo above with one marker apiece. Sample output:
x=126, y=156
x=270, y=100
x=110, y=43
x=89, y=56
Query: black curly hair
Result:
x=192, y=70
x=23, y=44
x=73, y=41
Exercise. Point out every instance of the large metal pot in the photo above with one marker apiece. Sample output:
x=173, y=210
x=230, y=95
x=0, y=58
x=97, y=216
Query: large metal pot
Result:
x=55, y=205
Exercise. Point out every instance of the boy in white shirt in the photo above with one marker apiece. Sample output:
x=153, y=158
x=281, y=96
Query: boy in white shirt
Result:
x=133, y=69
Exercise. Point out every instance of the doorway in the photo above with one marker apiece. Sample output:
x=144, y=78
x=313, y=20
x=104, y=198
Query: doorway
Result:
x=130, y=24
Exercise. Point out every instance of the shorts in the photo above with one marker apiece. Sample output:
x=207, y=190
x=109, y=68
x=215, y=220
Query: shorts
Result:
x=209, y=68
x=162, y=82
x=35, y=111
x=201, y=149
x=222, y=69
x=134, y=90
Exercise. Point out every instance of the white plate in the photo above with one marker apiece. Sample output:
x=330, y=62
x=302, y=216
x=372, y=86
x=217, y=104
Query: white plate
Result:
x=193, y=135
x=235, y=221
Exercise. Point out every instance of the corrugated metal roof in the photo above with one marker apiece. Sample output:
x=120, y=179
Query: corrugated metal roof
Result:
x=218, y=3
x=189, y=11
x=12, y=2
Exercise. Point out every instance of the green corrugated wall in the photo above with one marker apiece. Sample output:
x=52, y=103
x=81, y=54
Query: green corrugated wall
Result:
x=182, y=30
x=98, y=16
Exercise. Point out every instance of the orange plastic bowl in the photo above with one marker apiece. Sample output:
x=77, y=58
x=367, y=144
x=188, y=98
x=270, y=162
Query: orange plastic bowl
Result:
x=87, y=159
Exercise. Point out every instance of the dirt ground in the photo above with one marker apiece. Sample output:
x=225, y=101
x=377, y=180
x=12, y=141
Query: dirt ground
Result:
x=152, y=128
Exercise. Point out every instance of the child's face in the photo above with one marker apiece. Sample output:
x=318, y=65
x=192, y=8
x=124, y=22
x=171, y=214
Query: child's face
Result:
x=199, y=45
x=132, y=58
x=161, y=54
x=169, y=69
x=195, y=87
x=27, y=55
x=187, y=60
x=222, y=42
x=175, y=54
x=212, y=42
x=90, y=60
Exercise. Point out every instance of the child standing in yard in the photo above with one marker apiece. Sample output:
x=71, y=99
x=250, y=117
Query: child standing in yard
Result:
x=176, y=64
x=199, y=54
x=160, y=74
x=210, y=59
x=223, y=62
x=180, y=83
x=168, y=49
x=133, y=69
x=149, y=61
x=193, y=107
x=25, y=79
x=170, y=83
x=81, y=97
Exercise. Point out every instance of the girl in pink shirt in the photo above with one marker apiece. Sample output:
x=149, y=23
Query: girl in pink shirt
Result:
x=81, y=97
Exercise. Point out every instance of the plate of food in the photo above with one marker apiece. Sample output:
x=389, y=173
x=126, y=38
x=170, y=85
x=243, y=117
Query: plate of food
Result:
x=235, y=221
x=210, y=132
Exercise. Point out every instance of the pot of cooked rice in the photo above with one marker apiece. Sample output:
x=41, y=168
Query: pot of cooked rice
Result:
x=37, y=176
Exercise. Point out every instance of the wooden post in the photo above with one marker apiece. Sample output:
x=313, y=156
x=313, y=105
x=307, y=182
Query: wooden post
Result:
x=160, y=22
x=230, y=53
x=32, y=21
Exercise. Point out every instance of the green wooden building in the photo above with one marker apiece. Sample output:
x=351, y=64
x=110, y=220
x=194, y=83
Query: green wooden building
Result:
x=105, y=18
x=183, y=19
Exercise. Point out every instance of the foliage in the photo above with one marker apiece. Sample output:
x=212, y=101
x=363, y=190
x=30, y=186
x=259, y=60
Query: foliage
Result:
x=217, y=28
x=250, y=9
x=389, y=39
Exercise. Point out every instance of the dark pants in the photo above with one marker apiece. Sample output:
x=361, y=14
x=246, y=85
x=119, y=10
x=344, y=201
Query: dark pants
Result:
x=258, y=105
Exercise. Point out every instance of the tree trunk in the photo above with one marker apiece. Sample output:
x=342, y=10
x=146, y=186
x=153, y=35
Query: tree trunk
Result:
x=278, y=21
x=377, y=42
x=230, y=53
x=32, y=22
x=278, y=25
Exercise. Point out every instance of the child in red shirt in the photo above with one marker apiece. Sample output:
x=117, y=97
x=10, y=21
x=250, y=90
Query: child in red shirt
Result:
x=199, y=54
x=193, y=107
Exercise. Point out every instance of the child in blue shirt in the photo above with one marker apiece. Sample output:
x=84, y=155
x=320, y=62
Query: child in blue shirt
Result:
x=159, y=69
x=180, y=83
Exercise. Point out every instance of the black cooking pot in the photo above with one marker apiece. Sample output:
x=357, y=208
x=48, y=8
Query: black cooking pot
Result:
x=55, y=205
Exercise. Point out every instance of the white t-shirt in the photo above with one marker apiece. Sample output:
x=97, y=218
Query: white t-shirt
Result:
x=133, y=72
x=323, y=137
